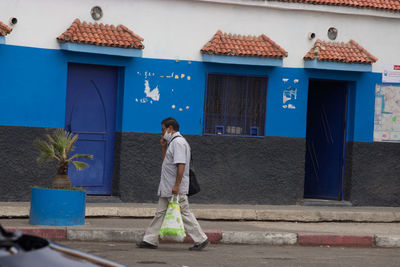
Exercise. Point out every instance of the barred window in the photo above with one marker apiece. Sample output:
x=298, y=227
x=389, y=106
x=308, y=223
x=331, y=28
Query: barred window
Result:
x=235, y=105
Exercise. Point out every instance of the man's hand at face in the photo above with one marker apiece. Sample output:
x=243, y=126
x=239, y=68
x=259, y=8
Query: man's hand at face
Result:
x=163, y=142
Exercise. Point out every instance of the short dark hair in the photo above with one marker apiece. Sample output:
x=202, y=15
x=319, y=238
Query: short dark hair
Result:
x=170, y=122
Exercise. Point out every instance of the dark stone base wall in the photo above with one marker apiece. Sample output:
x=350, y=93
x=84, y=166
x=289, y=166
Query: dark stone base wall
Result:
x=372, y=176
x=238, y=170
x=19, y=170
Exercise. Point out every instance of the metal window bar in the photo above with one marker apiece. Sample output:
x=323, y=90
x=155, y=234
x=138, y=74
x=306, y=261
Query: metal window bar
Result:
x=237, y=103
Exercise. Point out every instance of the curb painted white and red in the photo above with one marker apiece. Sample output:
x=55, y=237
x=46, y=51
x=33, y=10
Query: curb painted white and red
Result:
x=307, y=239
x=220, y=237
x=56, y=234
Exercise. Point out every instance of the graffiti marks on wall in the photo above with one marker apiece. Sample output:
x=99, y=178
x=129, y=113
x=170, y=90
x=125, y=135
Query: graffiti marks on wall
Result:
x=289, y=94
x=387, y=113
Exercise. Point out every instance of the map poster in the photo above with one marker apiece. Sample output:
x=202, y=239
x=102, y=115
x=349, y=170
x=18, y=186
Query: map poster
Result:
x=387, y=113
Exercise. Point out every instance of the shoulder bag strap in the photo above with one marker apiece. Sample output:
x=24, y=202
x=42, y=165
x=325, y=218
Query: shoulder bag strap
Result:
x=191, y=158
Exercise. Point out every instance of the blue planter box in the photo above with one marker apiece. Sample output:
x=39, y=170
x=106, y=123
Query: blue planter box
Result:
x=57, y=207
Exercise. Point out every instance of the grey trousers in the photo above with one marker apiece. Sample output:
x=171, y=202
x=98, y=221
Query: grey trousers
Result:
x=190, y=223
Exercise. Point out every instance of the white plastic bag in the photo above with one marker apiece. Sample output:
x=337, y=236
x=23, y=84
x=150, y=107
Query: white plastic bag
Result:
x=172, y=228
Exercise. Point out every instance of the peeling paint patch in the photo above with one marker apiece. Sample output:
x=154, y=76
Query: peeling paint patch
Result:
x=172, y=75
x=173, y=106
x=187, y=107
x=153, y=94
x=180, y=109
x=148, y=74
x=137, y=100
x=289, y=94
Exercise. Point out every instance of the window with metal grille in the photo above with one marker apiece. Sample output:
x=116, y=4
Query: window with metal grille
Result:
x=235, y=105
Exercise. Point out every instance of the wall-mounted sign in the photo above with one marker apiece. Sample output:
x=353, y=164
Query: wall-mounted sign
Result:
x=391, y=74
x=387, y=113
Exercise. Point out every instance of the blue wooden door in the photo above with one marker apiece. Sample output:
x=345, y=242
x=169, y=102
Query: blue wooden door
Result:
x=90, y=113
x=325, y=141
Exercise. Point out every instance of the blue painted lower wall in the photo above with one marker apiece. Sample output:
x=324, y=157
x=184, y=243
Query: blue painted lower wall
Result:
x=33, y=92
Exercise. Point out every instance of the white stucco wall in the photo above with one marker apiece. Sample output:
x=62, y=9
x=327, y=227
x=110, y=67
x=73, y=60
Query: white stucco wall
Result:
x=175, y=29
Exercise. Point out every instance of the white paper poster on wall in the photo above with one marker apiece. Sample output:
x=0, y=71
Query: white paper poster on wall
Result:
x=387, y=113
x=391, y=74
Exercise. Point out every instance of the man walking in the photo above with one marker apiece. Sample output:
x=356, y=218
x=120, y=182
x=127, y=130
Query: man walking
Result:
x=175, y=153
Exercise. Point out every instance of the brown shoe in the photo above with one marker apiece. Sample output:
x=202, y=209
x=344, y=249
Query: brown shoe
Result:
x=200, y=246
x=144, y=244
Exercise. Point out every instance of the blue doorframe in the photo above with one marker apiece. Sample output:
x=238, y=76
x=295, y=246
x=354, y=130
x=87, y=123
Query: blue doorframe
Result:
x=91, y=113
x=325, y=139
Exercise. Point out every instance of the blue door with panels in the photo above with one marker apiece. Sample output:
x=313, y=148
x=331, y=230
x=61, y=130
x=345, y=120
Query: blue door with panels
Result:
x=90, y=113
x=326, y=138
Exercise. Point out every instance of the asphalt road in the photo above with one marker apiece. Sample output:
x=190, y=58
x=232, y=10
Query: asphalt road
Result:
x=240, y=255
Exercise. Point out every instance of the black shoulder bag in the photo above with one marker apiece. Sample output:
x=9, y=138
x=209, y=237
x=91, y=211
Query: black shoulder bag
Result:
x=194, y=186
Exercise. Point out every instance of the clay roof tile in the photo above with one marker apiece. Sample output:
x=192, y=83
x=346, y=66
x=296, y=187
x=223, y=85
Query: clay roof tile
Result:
x=102, y=35
x=384, y=5
x=243, y=45
x=4, y=29
x=350, y=52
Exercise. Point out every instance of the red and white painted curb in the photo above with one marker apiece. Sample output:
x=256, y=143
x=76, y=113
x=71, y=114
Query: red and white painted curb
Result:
x=219, y=237
x=307, y=239
x=56, y=234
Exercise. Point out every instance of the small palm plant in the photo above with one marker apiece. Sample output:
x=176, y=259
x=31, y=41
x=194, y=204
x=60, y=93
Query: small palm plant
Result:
x=58, y=147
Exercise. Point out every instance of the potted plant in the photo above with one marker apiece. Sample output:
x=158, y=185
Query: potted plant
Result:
x=62, y=204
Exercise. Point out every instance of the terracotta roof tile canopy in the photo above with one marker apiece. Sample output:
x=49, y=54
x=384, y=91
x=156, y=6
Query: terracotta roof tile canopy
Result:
x=350, y=52
x=101, y=35
x=4, y=29
x=239, y=45
x=389, y=5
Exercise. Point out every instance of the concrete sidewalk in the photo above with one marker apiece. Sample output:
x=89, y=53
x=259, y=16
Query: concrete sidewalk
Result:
x=233, y=224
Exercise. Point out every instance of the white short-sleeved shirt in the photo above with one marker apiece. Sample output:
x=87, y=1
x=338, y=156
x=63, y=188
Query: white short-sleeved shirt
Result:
x=178, y=151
